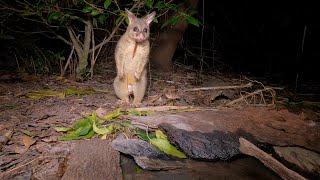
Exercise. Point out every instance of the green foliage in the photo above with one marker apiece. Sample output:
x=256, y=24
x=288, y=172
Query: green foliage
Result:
x=164, y=145
x=107, y=3
x=44, y=93
x=114, y=114
x=85, y=128
x=81, y=92
x=51, y=18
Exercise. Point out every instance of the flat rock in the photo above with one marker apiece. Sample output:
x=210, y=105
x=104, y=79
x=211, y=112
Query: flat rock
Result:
x=93, y=159
x=146, y=155
x=138, y=148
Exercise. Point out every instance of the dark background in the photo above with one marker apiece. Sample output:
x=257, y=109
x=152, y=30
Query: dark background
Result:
x=261, y=38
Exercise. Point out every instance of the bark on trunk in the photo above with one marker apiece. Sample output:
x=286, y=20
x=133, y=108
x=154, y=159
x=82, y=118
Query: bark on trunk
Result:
x=165, y=45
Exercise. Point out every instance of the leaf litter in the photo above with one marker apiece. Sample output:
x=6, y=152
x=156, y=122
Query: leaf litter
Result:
x=32, y=111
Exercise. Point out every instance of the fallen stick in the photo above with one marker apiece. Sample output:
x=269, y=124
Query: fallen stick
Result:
x=219, y=87
x=11, y=171
x=248, y=148
x=165, y=108
x=251, y=94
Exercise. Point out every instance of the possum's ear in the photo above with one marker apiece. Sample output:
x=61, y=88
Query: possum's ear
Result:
x=131, y=16
x=148, y=18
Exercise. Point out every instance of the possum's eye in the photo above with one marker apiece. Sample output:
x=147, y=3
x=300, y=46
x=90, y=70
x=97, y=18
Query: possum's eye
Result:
x=145, y=30
x=135, y=29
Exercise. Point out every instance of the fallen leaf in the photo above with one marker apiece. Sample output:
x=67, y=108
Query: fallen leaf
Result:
x=152, y=99
x=44, y=93
x=165, y=146
x=58, y=78
x=62, y=129
x=102, y=130
x=26, y=132
x=75, y=137
x=160, y=135
x=113, y=115
x=20, y=149
x=27, y=141
x=50, y=139
x=139, y=113
x=172, y=94
x=81, y=92
x=162, y=143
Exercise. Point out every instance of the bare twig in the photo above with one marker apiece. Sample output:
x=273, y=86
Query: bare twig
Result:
x=219, y=87
x=68, y=62
x=113, y=32
x=250, y=95
x=250, y=149
x=2, y=175
x=164, y=108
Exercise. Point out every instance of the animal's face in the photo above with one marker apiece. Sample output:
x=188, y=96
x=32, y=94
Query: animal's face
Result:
x=138, y=28
x=139, y=31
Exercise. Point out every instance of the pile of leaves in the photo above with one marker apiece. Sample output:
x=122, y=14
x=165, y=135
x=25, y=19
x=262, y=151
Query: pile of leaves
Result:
x=103, y=126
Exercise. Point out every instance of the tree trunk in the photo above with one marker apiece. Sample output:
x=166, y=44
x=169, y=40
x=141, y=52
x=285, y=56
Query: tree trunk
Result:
x=165, y=45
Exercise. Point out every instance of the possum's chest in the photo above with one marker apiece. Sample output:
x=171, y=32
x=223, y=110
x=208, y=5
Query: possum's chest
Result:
x=132, y=53
x=132, y=56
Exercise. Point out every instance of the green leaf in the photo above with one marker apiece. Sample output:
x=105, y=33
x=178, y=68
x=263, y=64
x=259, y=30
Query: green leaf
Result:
x=74, y=137
x=107, y=3
x=44, y=93
x=139, y=113
x=28, y=13
x=81, y=123
x=95, y=12
x=102, y=131
x=170, y=6
x=87, y=9
x=159, y=5
x=143, y=135
x=5, y=36
x=102, y=19
x=26, y=132
x=148, y=3
x=113, y=115
x=81, y=92
x=192, y=20
x=155, y=20
x=54, y=16
x=172, y=21
x=81, y=131
x=165, y=146
x=160, y=135
x=118, y=19
x=61, y=129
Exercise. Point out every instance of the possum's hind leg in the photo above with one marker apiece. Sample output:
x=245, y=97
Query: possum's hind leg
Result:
x=121, y=90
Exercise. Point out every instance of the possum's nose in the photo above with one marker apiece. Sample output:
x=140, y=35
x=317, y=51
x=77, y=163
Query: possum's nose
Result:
x=140, y=37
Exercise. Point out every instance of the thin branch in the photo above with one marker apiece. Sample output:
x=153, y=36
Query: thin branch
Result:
x=218, y=87
x=75, y=42
x=114, y=31
x=250, y=94
x=68, y=62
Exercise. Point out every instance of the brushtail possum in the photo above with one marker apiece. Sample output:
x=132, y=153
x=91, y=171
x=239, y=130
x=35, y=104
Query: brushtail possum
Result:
x=131, y=56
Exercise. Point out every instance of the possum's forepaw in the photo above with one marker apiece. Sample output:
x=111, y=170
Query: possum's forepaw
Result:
x=121, y=75
x=137, y=75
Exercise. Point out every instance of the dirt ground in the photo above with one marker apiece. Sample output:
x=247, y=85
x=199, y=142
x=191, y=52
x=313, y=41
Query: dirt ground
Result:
x=22, y=117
